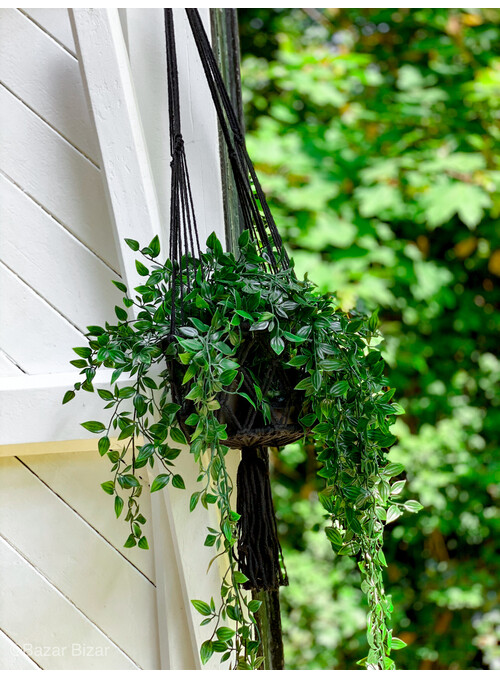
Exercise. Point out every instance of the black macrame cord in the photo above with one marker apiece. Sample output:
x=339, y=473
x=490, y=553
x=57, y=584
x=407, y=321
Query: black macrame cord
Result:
x=259, y=553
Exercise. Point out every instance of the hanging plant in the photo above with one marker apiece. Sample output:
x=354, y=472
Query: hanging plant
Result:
x=227, y=351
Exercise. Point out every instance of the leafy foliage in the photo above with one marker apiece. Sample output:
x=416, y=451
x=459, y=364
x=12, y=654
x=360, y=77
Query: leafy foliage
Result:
x=347, y=411
x=375, y=134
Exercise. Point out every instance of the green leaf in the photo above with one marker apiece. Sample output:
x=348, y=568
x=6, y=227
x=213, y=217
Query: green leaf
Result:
x=69, y=395
x=397, y=644
x=207, y=649
x=210, y=540
x=178, y=436
x=141, y=269
x=278, y=345
x=146, y=451
x=223, y=348
x=108, y=487
x=304, y=384
x=177, y=481
x=349, y=549
x=294, y=338
x=244, y=314
x=397, y=487
x=381, y=558
x=334, y=536
x=224, y=633
x=104, y=394
x=201, y=607
x=413, y=506
x=128, y=480
x=118, y=505
x=131, y=541
x=83, y=352
x=143, y=543
x=393, y=513
x=254, y=605
x=127, y=392
x=154, y=247
x=393, y=470
x=79, y=364
x=121, y=313
x=227, y=377
x=121, y=286
x=298, y=361
x=340, y=388
x=160, y=481
x=200, y=326
x=213, y=243
x=331, y=365
x=103, y=445
x=193, y=419
x=194, y=500
x=133, y=244
x=244, y=238
x=240, y=578
x=93, y=426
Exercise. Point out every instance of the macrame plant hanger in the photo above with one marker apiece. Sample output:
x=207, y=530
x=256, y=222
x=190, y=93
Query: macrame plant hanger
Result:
x=259, y=553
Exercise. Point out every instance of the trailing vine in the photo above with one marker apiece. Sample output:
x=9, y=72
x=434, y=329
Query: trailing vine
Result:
x=347, y=412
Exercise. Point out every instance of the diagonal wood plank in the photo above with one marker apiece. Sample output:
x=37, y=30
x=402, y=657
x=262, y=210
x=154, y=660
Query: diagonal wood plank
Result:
x=76, y=479
x=46, y=625
x=32, y=333
x=53, y=262
x=13, y=657
x=47, y=78
x=86, y=569
x=55, y=22
x=57, y=176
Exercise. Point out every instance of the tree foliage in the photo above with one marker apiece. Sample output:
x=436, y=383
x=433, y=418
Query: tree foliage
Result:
x=375, y=133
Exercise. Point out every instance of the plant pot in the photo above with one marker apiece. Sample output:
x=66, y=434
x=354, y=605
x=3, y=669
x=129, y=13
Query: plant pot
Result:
x=246, y=425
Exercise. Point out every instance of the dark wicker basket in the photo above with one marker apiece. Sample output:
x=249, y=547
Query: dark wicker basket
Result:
x=246, y=426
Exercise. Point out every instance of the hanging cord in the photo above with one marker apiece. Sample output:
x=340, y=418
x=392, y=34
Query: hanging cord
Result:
x=184, y=243
x=249, y=190
x=259, y=552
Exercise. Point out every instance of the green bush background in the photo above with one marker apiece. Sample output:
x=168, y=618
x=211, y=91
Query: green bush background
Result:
x=376, y=135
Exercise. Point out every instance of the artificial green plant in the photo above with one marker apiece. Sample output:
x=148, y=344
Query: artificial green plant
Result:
x=346, y=412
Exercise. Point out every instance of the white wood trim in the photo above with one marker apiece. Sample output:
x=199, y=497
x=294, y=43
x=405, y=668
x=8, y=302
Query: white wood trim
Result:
x=106, y=74
x=31, y=410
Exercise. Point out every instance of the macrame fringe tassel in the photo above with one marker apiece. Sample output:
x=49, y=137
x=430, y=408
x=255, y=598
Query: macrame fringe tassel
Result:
x=259, y=552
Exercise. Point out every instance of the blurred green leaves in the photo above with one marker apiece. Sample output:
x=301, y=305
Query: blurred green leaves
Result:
x=375, y=133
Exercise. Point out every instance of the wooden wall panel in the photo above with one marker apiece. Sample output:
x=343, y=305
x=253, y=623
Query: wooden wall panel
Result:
x=12, y=656
x=53, y=262
x=73, y=558
x=46, y=625
x=35, y=336
x=57, y=176
x=55, y=22
x=46, y=78
x=8, y=368
x=77, y=478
